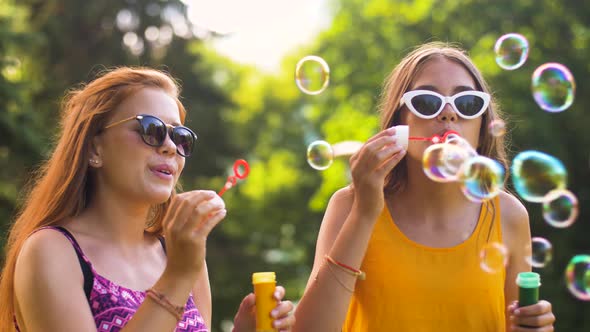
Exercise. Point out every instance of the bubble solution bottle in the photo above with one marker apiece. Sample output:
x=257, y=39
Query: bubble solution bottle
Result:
x=528, y=288
x=264, y=287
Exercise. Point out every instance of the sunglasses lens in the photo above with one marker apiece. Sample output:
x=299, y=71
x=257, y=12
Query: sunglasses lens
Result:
x=469, y=105
x=426, y=104
x=184, y=140
x=153, y=131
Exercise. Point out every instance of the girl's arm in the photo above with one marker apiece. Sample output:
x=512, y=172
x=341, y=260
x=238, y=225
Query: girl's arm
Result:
x=517, y=238
x=344, y=235
x=202, y=295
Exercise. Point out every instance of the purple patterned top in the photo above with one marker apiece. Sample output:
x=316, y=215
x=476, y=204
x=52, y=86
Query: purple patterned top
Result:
x=113, y=305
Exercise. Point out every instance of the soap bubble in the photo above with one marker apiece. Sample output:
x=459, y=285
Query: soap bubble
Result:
x=481, y=178
x=534, y=174
x=497, y=128
x=577, y=277
x=431, y=163
x=493, y=257
x=441, y=162
x=560, y=208
x=541, y=252
x=511, y=50
x=320, y=155
x=312, y=75
x=553, y=87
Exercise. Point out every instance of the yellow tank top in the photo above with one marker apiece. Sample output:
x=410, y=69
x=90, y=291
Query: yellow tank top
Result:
x=413, y=288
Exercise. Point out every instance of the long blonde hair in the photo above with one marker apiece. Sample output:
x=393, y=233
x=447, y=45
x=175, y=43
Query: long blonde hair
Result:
x=61, y=186
x=399, y=81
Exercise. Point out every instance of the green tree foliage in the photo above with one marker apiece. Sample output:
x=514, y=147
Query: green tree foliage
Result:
x=18, y=146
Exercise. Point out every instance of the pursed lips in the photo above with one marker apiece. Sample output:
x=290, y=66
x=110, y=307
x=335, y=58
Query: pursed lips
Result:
x=445, y=130
x=164, y=169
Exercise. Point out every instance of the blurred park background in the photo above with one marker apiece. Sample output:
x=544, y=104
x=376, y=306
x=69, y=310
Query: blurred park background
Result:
x=239, y=110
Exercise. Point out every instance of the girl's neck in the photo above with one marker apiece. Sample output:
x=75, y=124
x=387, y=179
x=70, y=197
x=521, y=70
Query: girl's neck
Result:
x=430, y=199
x=117, y=220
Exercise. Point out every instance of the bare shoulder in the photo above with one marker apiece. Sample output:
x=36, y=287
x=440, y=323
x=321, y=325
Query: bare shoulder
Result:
x=512, y=209
x=48, y=283
x=339, y=205
x=337, y=211
x=515, y=218
x=47, y=253
x=343, y=197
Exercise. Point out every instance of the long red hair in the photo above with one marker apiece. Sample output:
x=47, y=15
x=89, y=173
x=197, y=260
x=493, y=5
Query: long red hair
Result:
x=61, y=186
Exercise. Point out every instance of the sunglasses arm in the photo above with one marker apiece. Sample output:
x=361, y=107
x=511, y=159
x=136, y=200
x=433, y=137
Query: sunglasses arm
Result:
x=122, y=121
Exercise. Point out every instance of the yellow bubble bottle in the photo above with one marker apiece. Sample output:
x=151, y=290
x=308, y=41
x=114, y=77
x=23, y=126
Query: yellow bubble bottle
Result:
x=264, y=287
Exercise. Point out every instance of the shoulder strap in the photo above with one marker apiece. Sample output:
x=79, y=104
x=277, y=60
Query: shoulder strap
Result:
x=163, y=242
x=84, y=262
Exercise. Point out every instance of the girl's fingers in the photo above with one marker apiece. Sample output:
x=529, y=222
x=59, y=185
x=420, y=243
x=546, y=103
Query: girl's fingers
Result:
x=179, y=214
x=538, y=315
x=388, y=152
x=282, y=309
x=516, y=328
x=534, y=321
x=512, y=306
x=203, y=203
x=379, y=143
x=186, y=203
x=212, y=221
x=539, y=308
x=208, y=207
x=285, y=324
x=283, y=319
x=279, y=293
x=387, y=132
x=371, y=154
x=248, y=303
x=388, y=165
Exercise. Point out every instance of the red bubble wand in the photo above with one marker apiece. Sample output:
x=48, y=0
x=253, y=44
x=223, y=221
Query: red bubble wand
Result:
x=233, y=179
x=435, y=138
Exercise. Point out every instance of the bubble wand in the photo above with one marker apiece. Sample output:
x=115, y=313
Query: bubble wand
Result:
x=233, y=179
x=402, y=132
x=435, y=138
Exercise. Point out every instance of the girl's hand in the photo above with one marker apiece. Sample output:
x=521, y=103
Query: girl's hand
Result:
x=369, y=167
x=245, y=319
x=537, y=317
x=188, y=221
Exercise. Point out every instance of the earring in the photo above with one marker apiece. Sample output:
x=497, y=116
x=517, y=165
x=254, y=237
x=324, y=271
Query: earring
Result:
x=93, y=161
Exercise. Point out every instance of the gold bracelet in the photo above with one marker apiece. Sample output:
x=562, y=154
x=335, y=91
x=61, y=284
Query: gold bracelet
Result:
x=350, y=270
x=162, y=300
x=338, y=280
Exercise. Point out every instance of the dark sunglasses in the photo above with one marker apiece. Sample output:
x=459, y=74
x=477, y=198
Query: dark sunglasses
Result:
x=153, y=131
x=428, y=104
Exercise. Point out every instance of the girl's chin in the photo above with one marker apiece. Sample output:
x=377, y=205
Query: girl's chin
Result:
x=159, y=196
